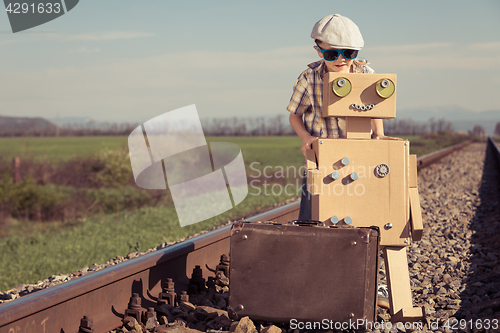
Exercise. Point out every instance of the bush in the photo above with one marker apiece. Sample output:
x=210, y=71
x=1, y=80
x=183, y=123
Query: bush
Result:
x=30, y=200
x=108, y=168
x=82, y=186
x=113, y=168
x=111, y=200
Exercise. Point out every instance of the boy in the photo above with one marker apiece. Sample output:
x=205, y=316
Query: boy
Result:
x=338, y=41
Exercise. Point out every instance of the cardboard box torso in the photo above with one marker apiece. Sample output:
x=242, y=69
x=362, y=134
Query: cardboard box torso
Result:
x=371, y=189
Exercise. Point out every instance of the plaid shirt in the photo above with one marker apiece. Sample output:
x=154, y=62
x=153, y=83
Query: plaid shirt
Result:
x=307, y=100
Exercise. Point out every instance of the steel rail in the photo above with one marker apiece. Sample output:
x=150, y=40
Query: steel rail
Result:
x=496, y=149
x=104, y=295
x=426, y=160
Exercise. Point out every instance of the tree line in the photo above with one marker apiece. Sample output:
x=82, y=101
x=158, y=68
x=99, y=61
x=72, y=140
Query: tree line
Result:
x=235, y=126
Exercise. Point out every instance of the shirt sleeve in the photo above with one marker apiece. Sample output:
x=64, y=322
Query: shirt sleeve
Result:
x=367, y=69
x=300, y=101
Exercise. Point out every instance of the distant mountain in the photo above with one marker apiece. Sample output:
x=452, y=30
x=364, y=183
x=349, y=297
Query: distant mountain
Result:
x=25, y=125
x=461, y=118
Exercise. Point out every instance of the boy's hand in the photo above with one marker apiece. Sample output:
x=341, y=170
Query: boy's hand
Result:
x=307, y=143
x=383, y=137
x=300, y=129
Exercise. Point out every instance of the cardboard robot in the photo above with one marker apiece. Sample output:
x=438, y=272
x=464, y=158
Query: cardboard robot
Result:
x=361, y=182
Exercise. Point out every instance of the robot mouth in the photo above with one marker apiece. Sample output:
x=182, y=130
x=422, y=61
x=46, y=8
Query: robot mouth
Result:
x=362, y=107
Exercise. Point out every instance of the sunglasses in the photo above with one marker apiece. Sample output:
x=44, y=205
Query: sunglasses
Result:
x=332, y=54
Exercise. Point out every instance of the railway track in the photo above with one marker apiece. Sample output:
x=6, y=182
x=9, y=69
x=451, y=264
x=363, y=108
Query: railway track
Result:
x=103, y=296
x=455, y=268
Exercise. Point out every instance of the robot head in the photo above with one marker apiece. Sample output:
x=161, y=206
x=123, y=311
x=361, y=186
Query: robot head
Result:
x=359, y=95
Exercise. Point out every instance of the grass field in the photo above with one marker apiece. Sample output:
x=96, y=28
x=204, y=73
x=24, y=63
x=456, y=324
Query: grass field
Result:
x=264, y=150
x=274, y=151
x=425, y=145
x=53, y=148
x=36, y=250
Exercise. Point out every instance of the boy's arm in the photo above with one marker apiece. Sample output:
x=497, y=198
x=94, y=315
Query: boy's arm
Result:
x=300, y=129
x=378, y=130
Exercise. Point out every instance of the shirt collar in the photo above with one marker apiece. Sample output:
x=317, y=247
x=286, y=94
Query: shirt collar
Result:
x=320, y=67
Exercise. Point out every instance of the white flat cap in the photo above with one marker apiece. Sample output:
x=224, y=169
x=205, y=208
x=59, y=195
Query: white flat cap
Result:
x=339, y=32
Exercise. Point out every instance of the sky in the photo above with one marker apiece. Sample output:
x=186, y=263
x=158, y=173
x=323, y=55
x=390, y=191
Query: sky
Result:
x=132, y=60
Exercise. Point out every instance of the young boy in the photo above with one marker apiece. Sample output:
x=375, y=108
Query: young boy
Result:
x=338, y=41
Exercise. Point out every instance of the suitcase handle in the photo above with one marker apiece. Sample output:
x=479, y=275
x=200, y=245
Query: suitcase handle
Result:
x=307, y=223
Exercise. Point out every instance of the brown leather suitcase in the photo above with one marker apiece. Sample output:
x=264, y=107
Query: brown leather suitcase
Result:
x=296, y=273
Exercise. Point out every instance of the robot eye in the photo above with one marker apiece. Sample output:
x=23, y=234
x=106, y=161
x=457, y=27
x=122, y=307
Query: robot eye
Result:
x=385, y=88
x=341, y=87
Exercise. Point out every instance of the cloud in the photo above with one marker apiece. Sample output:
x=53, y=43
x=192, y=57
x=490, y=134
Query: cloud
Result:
x=492, y=46
x=107, y=36
x=220, y=83
x=84, y=49
x=239, y=83
x=476, y=56
x=35, y=36
x=218, y=60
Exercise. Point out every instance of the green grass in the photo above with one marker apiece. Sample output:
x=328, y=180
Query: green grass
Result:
x=263, y=150
x=274, y=151
x=61, y=148
x=425, y=145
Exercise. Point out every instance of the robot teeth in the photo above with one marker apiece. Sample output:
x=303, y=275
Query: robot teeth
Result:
x=363, y=107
